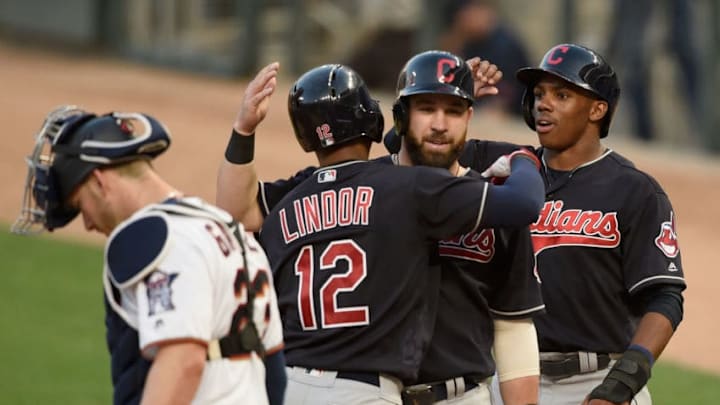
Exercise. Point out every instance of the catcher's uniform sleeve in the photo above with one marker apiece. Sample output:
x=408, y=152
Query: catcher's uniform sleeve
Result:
x=175, y=300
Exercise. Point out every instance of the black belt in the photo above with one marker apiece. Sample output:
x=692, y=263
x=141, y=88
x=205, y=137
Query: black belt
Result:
x=367, y=378
x=570, y=364
x=422, y=394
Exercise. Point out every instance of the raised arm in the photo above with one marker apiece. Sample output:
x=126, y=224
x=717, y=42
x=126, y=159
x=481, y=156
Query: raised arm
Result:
x=237, y=182
x=486, y=76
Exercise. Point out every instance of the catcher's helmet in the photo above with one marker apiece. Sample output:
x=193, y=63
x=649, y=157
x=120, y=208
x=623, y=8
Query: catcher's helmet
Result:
x=331, y=104
x=580, y=66
x=70, y=145
x=434, y=72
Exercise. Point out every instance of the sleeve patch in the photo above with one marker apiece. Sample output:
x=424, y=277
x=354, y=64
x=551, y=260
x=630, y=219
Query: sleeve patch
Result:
x=666, y=240
x=136, y=249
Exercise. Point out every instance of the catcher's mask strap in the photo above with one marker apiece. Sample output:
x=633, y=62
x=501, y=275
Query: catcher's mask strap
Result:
x=153, y=140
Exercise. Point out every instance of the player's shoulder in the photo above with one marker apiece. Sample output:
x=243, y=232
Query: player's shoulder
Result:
x=631, y=176
x=136, y=246
x=192, y=207
x=474, y=174
x=140, y=243
x=479, y=154
x=290, y=182
x=386, y=159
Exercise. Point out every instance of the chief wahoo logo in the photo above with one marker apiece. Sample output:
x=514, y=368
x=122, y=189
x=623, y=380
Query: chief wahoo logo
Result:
x=666, y=241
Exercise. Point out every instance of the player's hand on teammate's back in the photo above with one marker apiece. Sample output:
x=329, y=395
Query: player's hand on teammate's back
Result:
x=486, y=76
x=501, y=168
x=256, y=99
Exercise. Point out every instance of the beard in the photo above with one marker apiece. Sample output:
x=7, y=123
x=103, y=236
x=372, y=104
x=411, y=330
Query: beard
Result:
x=444, y=160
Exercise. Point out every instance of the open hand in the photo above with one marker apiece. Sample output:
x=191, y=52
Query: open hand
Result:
x=256, y=99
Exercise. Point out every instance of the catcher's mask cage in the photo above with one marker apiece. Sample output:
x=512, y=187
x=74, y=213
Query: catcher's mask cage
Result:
x=72, y=143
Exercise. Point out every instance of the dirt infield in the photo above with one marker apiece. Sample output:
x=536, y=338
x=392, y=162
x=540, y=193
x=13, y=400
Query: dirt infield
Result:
x=199, y=112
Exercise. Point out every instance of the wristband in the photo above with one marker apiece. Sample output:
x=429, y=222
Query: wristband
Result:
x=240, y=148
x=644, y=351
x=524, y=153
x=625, y=379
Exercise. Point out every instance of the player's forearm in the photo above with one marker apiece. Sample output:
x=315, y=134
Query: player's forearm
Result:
x=632, y=371
x=237, y=188
x=175, y=374
x=520, y=391
x=518, y=360
x=653, y=333
x=518, y=201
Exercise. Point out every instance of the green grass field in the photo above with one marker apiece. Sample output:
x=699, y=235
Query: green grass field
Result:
x=53, y=345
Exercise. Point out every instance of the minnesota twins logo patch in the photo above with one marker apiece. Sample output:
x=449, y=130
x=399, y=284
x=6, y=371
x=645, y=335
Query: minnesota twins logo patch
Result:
x=159, y=292
x=666, y=241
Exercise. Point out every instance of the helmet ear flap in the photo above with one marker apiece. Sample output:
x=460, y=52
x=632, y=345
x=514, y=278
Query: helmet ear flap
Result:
x=528, y=103
x=400, y=116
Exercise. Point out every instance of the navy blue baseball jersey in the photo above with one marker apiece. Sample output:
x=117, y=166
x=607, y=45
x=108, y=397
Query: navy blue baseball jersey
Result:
x=354, y=253
x=606, y=233
x=485, y=274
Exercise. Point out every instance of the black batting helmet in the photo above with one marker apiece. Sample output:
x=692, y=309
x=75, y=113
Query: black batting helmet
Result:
x=580, y=66
x=70, y=145
x=331, y=104
x=431, y=72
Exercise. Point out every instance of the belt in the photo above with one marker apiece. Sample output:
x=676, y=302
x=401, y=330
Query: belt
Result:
x=568, y=364
x=367, y=378
x=421, y=394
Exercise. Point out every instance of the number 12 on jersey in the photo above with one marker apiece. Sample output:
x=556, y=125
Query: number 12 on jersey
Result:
x=330, y=315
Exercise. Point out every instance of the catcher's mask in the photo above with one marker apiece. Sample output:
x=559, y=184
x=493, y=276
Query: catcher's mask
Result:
x=72, y=143
x=580, y=66
x=330, y=105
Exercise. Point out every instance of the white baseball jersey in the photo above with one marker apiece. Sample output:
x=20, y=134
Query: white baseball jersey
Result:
x=188, y=290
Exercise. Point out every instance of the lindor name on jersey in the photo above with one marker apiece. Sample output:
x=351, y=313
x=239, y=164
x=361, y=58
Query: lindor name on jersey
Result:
x=327, y=210
x=574, y=227
x=477, y=246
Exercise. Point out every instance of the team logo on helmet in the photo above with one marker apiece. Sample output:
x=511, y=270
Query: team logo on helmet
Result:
x=666, y=241
x=446, y=70
x=555, y=59
x=159, y=292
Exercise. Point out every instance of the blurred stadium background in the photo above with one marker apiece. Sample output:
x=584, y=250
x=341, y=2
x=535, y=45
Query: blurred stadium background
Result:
x=186, y=61
x=232, y=38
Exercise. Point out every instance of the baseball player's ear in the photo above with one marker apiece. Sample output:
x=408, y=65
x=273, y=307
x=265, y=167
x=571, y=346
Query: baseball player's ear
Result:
x=598, y=110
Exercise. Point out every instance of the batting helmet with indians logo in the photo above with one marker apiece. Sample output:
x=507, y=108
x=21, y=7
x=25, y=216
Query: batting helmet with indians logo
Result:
x=579, y=66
